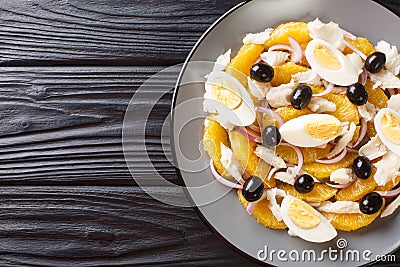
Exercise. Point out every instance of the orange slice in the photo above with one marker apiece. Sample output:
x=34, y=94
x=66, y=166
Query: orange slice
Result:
x=243, y=150
x=358, y=189
x=320, y=192
x=297, y=30
x=214, y=135
x=349, y=222
x=262, y=213
x=310, y=154
x=321, y=171
x=283, y=73
x=361, y=44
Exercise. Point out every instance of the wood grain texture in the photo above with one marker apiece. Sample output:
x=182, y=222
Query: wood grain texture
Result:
x=98, y=226
x=63, y=125
x=103, y=32
x=60, y=124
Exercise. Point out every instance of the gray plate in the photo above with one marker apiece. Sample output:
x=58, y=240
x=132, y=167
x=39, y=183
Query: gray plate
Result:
x=225, y=216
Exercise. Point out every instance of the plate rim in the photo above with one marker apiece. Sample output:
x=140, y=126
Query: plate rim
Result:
x=172, y=139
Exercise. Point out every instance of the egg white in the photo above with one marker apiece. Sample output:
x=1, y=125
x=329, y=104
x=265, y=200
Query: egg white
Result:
x=294, y=133
x=345, y=76
x=377, y=123
x=323, y=232
x=243, y=115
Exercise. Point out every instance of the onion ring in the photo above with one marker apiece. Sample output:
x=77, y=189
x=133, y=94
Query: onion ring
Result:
x=363, y=132
x=275, y=115
x=297, y=51
x=222, y=180
x=328, y=89
x=249, y=136
x=300, y=157
x=334, y=160
x=389, y=194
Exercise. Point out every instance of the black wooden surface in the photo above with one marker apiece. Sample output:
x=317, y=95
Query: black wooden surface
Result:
x=68, y=69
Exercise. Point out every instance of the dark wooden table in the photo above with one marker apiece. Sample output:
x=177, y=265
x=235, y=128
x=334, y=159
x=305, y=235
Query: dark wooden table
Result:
x=68, y=70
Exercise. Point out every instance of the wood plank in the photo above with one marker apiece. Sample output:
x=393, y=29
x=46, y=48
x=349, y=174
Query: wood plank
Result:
x=103, y=226
x=63, y=125
x=104, y=32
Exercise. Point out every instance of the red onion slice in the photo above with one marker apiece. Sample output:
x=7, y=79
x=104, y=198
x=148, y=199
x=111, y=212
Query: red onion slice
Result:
x=280, y=47
x=364, y=76
x=250, y=136
x=251, y=205
x=222, y=180
x=297, y=53
x=299, y=156
x=328, y=89
x=352, y=151
x=389, y=194
x=245, y=173
x=275, y=115
x=334, y=160
x=348, y=35
x=254, y=128
x=393, y=91
x=363, y=132
x=358, y=52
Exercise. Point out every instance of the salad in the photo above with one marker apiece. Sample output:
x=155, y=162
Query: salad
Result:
x=304, y=121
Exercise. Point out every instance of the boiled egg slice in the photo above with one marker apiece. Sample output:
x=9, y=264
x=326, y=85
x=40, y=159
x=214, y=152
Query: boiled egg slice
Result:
x=387, y=125
x=306, y=222
x=330, y=64
x=233, y=101
x=311, y=130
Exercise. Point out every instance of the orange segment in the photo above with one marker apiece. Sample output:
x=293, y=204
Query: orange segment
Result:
x=320, y=192
x=371, y=132
x=243, y=150
x=310, y=154
x=297, y=30
x=245, y=58
x=345, y=110
x=358, y=189
x=321, y=171
x=214, y=135
x=283, y=73
x=349, y=222
x=289, y=113
x=262, y=213
x=389, y=186
x=376, y=96
x=361, y=44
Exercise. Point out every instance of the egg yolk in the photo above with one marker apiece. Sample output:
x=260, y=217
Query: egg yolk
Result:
x=323, y=130
x=390, y=126
x=326, y=58
x=227, y=96
x=303, y=215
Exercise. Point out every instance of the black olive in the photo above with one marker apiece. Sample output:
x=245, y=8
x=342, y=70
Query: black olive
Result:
x=375, y=62
x=304, y=184
x=357, y=94
x=262, y=72
x=301, y=96
x=362, y=167
x=253, y=189
x=371, y=203
x=271, y=136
